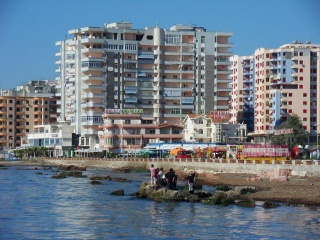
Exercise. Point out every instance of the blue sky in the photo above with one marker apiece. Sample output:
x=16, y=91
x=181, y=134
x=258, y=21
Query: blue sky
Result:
x=30, y=28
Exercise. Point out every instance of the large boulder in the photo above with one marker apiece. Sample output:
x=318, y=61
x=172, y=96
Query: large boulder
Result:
x=268, y=204
x=246, y=203
x=220, y=197
x=119, y=192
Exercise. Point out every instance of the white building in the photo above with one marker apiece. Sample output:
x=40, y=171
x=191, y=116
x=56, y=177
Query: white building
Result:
x=213, y=128
x=57, y=137
x=167, y=73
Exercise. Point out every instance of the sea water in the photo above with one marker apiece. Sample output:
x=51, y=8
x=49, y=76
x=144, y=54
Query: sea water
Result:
x=33, y=205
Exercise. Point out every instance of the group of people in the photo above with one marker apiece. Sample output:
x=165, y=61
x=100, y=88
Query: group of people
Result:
x=161, y=179
x=169, y=179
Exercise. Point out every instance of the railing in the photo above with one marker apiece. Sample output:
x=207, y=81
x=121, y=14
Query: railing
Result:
x=196, y=160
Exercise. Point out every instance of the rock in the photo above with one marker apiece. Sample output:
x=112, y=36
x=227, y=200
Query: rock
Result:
x=120, y=179
x=39, y=173
x=119, y=192
x=59, y=176
x=240, y=190
x=268, y=204
x=71, y=168
x=246, y=203
x=96, y=178
x=223, y=188
x=220, y=197
x=94, y=182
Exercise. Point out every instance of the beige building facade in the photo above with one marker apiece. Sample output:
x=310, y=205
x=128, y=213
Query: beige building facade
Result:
x=129, y=132
x=19, y=115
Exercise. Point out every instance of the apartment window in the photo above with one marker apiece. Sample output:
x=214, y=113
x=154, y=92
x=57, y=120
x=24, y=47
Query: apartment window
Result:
x=27, y=123
x=129, y=57
x=301, y=70
x=290, y=103
x=290, y=94
x=304, y=102
x=27, y=116
x=149, y=49
x=175, y=111
x=10, y=129
x=305, y=119
x=305, y=94
x=202, y=49
x=127, y=121
x=301, y=78
x=175, y=76
x=203, y=39
x=300, y=86
x=305, y=111
x=300, y=53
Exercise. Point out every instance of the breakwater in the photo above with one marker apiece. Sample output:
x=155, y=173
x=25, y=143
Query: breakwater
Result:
x=297, y=167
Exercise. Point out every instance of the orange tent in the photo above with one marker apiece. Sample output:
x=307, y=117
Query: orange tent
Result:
x=175, y=150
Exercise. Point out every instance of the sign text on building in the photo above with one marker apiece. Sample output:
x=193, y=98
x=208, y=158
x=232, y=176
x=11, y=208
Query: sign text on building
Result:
x=283, y=131
x=123, y=111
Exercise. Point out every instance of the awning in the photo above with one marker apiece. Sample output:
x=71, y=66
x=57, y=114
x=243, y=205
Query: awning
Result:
x=219, y=149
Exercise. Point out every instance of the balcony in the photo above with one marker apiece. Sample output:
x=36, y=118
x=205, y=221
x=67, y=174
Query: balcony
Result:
x=91, y=95
x=92, y=104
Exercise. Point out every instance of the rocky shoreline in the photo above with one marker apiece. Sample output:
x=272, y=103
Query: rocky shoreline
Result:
x=291, y=190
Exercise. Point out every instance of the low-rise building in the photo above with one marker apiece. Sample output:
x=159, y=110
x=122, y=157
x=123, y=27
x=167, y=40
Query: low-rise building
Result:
x=123, y=131
x=213, y=128
x=55, y=137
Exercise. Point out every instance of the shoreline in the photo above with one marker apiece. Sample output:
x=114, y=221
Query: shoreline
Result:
x=295, y=190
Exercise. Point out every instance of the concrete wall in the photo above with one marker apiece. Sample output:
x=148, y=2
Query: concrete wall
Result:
x=298, y=167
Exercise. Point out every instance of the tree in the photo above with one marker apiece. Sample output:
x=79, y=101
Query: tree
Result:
x=18, y=153
x=296, y=138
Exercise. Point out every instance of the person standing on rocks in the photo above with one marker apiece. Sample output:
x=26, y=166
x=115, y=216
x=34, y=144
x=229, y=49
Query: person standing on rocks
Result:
x=170, y=176
x=191, y=179
x=154, y=174
x=160, y=178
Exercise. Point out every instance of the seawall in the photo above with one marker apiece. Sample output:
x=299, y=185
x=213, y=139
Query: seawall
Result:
x=297, y=167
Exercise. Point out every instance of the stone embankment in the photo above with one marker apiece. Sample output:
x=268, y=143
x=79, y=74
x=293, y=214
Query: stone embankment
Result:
x=296, y=167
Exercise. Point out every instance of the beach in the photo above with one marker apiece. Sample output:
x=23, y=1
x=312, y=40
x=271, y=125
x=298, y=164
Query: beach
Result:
x=293, y=190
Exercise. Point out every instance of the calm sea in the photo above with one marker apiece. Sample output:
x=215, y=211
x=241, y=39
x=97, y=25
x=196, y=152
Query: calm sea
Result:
x=35, y=206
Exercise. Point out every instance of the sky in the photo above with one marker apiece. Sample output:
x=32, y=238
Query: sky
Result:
x=30, y=28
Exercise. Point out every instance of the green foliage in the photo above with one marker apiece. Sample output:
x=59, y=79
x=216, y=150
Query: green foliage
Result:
x=18, y=153
x=298, y=136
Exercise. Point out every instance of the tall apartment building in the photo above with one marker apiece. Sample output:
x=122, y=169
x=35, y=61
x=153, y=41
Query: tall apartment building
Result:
x=167, y=73
x=20, y=112
x=242, y=95
x=286, y=82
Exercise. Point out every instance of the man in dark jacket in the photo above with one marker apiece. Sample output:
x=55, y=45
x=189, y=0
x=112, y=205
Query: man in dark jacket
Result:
x=170, y=177
x=191, y=179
